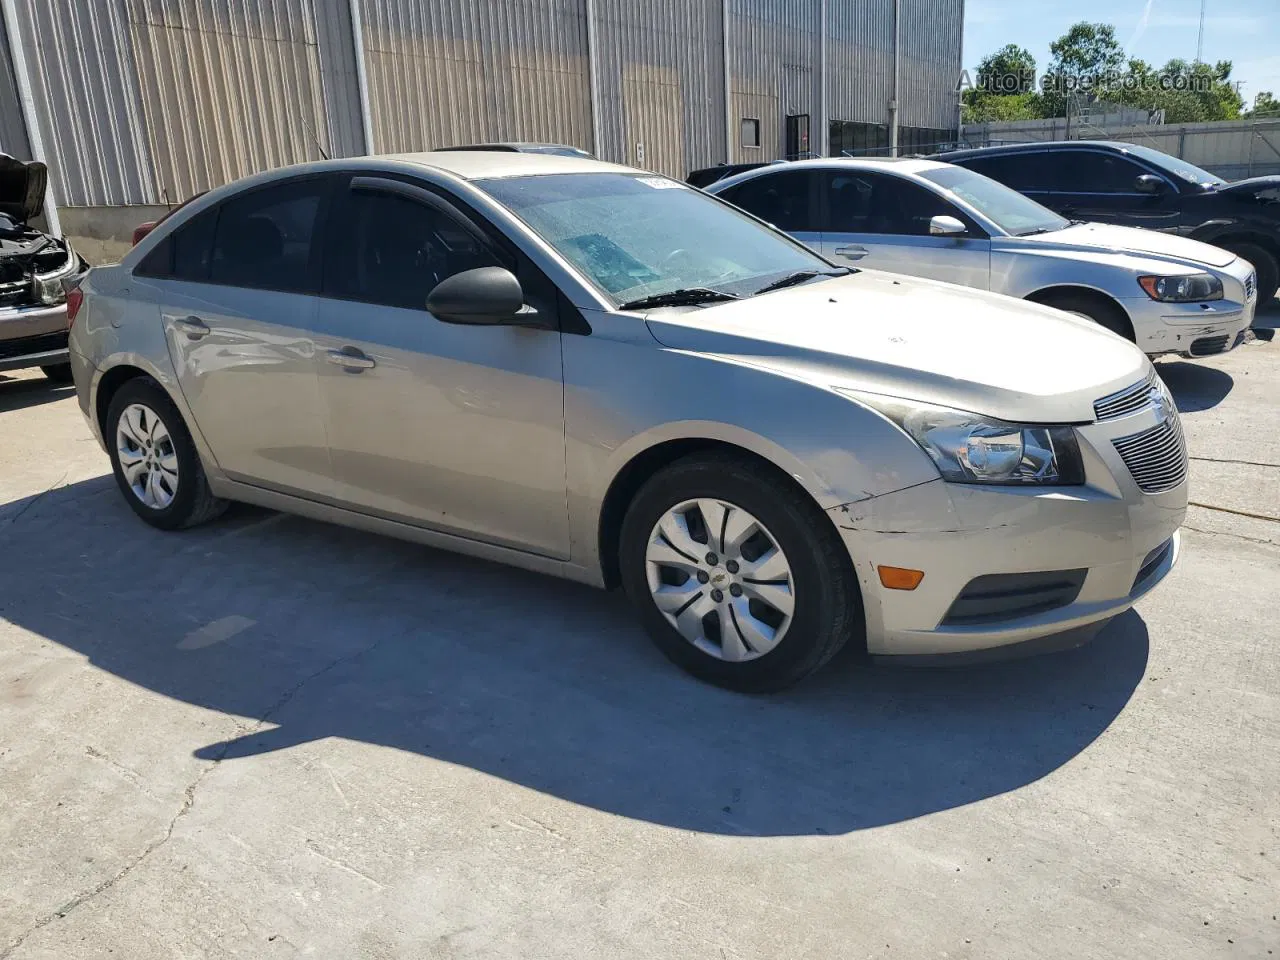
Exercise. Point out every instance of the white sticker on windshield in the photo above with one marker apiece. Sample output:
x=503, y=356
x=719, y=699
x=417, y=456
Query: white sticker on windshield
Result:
x=661, y=183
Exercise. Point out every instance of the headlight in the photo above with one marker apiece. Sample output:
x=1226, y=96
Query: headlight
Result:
x=51, y=288
x=971, y=448
x=1189, y=289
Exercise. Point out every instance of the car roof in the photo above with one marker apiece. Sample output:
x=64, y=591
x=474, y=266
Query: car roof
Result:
x=1034, y=145
x=489, y=164
x=907, y=165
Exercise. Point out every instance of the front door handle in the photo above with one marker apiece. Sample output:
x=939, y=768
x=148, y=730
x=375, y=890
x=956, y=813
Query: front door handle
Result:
x=193, y=327
x=352, y=359
x=851, y=253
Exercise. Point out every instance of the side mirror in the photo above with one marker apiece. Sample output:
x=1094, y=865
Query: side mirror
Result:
x=485, y=296
x=947, y=227
x=1149, y=183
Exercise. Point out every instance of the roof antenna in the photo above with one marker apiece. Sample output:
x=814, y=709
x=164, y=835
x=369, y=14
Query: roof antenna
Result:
x=314, y=139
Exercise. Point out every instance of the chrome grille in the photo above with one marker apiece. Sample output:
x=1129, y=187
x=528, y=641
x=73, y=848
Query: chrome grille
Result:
x=1250, y=286
x=1126, y=401
x=1157, y=457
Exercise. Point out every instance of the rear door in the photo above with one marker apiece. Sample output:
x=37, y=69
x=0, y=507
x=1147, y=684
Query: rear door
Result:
x=457, y=428
x=236, y=287
x=1098, y=186
x=788, y=199
x=881, y=221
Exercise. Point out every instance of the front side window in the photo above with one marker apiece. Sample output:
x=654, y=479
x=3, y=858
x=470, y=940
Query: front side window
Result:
x=1089, y=171
x=265, y=237
x=392, y=249
x=782, y=199
x=636, y=235
x=859, y=202
x=1007, y=209
x=1179, y=168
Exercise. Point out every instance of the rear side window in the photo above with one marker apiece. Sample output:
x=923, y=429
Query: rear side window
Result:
x=1021, y=171
x=185, y=254
x=264, y=238
x=393, y=250
x=782, y=199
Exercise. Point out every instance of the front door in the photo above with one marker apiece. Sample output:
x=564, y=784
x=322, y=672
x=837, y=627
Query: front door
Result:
x=236, y=289
x=457, y=428
x=881, y=222
x=1100, y=187
x=798, y=136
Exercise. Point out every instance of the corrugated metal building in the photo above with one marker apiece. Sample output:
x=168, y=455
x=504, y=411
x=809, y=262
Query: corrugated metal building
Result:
x=149, y=101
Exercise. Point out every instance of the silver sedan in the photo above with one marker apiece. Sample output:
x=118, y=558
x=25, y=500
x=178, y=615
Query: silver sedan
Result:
x=1167, y=294
x=598, y=373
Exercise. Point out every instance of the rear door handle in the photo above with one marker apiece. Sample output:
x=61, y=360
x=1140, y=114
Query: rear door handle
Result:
x=193, y=327
x=352, y=359
x=851, y=253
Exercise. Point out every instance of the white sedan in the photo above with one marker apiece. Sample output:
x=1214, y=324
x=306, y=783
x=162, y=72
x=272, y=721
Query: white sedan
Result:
x=1165, y=293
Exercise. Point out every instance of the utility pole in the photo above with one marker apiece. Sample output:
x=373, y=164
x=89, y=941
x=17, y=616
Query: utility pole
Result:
x=897, y=69
x=1200, y=38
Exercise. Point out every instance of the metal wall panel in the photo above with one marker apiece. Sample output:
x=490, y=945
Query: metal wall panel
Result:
x=860, y=59
x=931, y=65
x=83, y=81
x=774, y=57
x=13, y=131
x=661, y=73
x=445, y=72
x=227, y=88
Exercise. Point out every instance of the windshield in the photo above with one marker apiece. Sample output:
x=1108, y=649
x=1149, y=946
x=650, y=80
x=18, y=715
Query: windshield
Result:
x=637, y=236
x=1179, y=168
x=1006, y=208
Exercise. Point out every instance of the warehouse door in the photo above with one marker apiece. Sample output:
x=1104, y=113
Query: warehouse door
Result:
x=797, y=136
x=654, y=114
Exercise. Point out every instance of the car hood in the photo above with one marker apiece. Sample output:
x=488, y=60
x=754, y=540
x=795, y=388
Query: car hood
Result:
x=1254, y=186
x=904, y=337
x=1113, y=239
x=22, y=186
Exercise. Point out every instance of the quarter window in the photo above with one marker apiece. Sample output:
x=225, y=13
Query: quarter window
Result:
x=265, y=237
x=393, y=250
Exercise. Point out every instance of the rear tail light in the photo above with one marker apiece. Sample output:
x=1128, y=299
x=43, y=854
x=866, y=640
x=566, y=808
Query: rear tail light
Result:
x=142, y=229
x=75, y=300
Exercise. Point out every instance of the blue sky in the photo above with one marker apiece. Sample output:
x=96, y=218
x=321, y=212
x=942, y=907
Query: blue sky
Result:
x=1242, y=31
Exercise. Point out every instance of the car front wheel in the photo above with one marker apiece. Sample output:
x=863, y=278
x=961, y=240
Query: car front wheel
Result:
x=737, y=575
x=1266, y=267
x=154, y=459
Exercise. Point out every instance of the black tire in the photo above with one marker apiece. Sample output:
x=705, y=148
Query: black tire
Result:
x=58, y=372
x=1105, y=313
x=1264, y=262
x=828, y=606
x=193, y=503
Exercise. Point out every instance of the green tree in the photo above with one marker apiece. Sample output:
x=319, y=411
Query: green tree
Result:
x=1086, y=56
x=1010, y=70
x=1186, y=92
x=1265, y=104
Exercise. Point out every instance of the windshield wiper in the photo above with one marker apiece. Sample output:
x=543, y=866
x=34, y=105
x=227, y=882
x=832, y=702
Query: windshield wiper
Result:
x=1034, y=233
x=684, y=297
x=791, y=279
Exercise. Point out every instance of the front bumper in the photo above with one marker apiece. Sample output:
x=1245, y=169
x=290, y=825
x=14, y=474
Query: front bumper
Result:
x=1119, y=540
x=34, y=336
x=1189, y=329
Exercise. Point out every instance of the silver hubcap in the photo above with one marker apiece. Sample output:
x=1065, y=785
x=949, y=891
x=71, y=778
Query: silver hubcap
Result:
x=147, y=456
x=720, y=578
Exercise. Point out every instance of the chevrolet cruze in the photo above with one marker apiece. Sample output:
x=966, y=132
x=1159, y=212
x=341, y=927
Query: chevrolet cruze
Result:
x=603, y=374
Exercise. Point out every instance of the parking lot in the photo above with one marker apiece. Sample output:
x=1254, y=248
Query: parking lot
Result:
x=268, y=737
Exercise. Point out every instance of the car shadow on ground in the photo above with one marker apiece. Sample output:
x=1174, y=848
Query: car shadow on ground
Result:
x=1195, y=387
x=314, y=631
x=17, y=393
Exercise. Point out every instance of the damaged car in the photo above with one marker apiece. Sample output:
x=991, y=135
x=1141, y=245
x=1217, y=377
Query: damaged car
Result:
x=36, y=271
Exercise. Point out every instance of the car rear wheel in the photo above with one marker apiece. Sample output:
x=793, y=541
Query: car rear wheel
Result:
x=1265, y=265
x=154, y=459
x=737, y=575
x=57, y=372
x=1103, y=312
